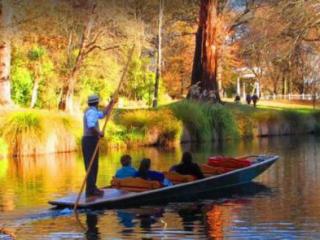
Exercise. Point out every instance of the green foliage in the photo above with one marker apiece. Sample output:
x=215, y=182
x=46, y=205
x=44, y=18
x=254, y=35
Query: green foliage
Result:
x=22, y=83
x=29, y=65
x=36, y=53
x=223, y=121
x=206, y=121
x=115, y=134
x=140, y=83
x=147, y=127
x=193, y=117
x=100, y=75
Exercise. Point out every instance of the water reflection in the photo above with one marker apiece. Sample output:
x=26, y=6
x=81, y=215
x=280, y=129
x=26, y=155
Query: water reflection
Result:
x=287, y=205
x=93, y=232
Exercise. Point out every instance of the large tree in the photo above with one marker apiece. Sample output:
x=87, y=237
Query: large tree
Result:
x=220, y=22
x=205, y=64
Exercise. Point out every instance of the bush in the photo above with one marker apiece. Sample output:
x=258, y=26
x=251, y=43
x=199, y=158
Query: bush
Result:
x=206, y=121
x=147, y=127
x=194, y=119
x=223, y=122
x=32, y=132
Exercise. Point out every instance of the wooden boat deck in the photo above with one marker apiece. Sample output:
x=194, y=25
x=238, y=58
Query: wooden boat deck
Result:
x=110, y=194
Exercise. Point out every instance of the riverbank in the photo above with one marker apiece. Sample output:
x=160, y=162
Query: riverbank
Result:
x=34, y=132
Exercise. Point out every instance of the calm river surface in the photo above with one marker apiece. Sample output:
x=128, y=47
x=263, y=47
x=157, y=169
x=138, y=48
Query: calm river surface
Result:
x=283, y=203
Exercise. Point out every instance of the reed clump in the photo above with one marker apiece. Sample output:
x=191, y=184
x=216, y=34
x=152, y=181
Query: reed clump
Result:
x=205, y=121
x=34, y=132
x=150, y=127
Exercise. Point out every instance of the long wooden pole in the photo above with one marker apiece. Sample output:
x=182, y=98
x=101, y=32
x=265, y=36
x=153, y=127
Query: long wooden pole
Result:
x=115, y=95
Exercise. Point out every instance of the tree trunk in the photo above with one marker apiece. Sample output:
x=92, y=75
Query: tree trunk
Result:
x=5, y=53
x=66, y=100
x=158, y=71
x=206, y=50
x=34, y=95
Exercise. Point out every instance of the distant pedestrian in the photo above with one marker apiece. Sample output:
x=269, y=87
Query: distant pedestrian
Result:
x=248, y=99
x=237, y=99
x=255, y=99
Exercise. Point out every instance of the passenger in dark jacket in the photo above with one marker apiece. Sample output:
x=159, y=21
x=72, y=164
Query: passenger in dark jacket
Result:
x=187, y=167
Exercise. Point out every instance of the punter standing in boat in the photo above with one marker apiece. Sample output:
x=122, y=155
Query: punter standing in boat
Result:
x=91, y=135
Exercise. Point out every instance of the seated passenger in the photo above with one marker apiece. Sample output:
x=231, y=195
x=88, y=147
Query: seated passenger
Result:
x=126, y=170
x=187, y=167
x=145, y=173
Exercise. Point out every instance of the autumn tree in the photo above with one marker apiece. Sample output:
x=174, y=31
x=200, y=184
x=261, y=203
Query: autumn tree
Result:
x=215, y=33
x=281, y=41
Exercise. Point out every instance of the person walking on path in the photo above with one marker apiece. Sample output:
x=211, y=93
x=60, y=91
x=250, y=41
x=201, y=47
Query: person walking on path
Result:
x=90, y=139
x=248, y=99
x=255, y=100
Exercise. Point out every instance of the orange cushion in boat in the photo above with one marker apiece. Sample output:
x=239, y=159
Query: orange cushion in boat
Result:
x=208, y=170
x=177, y=178
x=228, y=162
x=134, y=184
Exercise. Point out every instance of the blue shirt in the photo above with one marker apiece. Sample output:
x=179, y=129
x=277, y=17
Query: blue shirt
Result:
x=92, y=116
x=125, y=172
x=91, y=120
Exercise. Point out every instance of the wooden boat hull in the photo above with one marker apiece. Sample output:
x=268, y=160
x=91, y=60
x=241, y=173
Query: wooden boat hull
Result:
x=122, y=199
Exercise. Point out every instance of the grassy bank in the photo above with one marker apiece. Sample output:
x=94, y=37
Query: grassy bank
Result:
x=204, y=122
x=143, y=128
x=32, y=132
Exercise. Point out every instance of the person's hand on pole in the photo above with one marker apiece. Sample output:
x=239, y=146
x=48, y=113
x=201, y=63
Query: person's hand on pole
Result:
x=114, y=99
x=101, y=134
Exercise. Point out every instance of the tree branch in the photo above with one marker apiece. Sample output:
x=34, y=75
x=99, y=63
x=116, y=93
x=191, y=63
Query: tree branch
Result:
x=86, y=52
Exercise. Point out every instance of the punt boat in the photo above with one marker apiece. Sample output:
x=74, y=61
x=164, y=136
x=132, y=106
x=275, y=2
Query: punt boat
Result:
x=120, y=198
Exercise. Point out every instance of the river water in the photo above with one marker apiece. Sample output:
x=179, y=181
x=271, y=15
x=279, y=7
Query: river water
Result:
x=282, y=203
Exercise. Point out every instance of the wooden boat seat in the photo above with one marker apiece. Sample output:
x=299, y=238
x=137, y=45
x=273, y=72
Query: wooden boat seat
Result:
x=177, y=178
x=208, y=170
x=134, y=184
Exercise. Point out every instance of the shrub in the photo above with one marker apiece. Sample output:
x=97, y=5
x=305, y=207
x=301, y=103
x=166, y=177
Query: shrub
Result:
x=145, y=127
x=33, y=132
x=194, y=118
x=206, y=121
x=223, y=122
